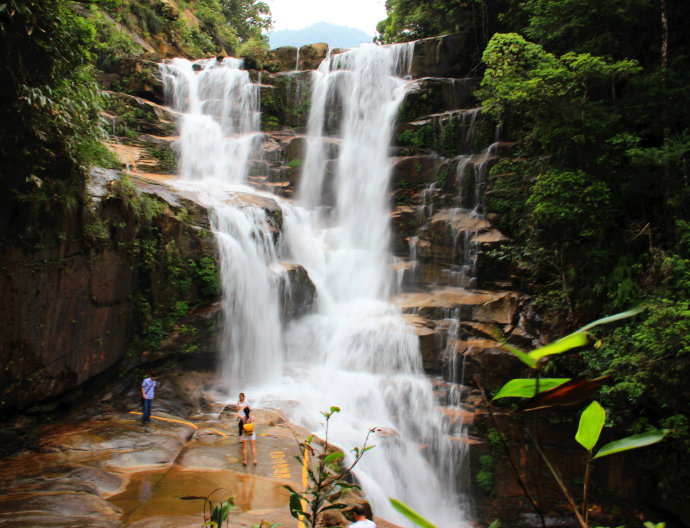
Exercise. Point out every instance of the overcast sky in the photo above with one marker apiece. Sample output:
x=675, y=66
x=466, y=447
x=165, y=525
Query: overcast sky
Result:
x=297, y=14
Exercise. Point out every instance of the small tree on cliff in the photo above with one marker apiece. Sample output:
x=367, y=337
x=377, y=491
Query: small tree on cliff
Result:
x=326, y=478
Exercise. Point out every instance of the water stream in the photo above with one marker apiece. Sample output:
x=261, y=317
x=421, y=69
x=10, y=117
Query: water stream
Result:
x=354, y=350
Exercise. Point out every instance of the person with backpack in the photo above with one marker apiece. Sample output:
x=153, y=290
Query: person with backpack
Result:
x=248, y=435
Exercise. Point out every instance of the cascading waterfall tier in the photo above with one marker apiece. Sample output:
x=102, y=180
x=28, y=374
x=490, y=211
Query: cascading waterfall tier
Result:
x=219, y=117
x=355, y=349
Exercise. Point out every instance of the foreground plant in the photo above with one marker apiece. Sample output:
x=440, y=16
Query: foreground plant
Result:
x=325, y=477
x=218, y=512
x=544, y=393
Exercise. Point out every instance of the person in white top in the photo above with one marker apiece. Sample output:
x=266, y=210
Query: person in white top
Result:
x=241, y=404
x=359, y=512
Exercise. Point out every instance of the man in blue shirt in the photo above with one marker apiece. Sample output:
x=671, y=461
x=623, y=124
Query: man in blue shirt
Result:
x=148, y=387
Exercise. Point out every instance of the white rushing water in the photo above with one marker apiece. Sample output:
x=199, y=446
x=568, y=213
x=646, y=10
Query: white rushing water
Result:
x=354, y=350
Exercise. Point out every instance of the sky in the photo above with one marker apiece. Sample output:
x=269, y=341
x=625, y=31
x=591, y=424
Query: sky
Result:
x=298, y=14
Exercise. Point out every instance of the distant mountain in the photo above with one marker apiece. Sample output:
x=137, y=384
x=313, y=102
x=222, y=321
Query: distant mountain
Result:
x=334, y=36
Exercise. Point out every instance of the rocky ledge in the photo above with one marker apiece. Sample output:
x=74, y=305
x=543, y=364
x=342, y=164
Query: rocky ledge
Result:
x=102, y=468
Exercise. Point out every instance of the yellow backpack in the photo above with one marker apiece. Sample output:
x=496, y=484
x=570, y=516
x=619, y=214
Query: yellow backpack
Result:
x=248, y=428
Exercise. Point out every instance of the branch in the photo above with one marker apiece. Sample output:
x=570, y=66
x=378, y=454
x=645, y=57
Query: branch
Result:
x=556, y=476
x=504, y=442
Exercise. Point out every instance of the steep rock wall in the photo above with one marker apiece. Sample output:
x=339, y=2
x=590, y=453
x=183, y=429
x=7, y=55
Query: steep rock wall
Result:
x=72, y=299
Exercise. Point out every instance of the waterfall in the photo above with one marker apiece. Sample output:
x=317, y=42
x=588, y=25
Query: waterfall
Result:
x=218, y=131
x=354, y=350
x=219, y=117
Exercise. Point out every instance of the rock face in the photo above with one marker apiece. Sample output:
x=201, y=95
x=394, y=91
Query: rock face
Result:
x=451, y=55
x=72, y=298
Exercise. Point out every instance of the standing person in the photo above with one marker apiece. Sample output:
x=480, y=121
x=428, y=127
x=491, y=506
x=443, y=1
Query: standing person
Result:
x=148, y=388
x=359, y=512
x=241, y=405
x=248, y=435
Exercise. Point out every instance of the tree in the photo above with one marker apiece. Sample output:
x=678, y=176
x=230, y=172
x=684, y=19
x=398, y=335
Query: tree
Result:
x=248, y=17
x=564, y=113
x=49, y=105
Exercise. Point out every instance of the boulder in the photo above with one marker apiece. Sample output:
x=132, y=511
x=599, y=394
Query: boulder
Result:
x=311, y=55
x=285, y=99
x=283, y=59
x=297, y=291
x=295, y=149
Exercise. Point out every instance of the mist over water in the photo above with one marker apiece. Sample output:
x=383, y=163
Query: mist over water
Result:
x=354, y=350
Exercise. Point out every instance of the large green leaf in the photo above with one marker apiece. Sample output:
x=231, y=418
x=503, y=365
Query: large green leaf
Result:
x=526, y=387
x=296, y=509
x=562, y=345
x=591, y=423
x=576, y=339
x=335, y=455
x=611, y=318
x=411, y=514
x=531, y=363
x=572, y=392
x=632, y=442
x=336, y=506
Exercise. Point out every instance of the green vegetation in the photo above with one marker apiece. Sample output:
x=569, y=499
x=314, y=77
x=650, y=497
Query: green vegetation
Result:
x=220, y=27
x=50, y=105
x=409, y=20
x=442, y=137
x=326, y=478
x=166, y=158
x=255, y=53
x=218, y=514
x=543, y=394
x=485, y=476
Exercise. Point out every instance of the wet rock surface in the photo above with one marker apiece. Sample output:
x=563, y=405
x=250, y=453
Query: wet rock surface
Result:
x=105, y=469
x=113, y=471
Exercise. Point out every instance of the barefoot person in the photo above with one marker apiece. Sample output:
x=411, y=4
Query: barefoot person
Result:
x=248, y=435
x=241, y=405
x=359, y=513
